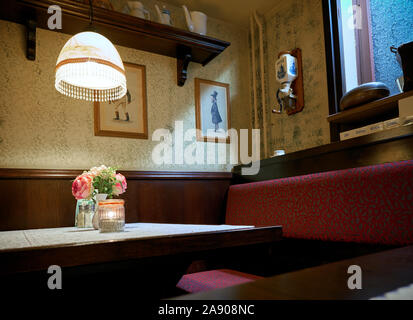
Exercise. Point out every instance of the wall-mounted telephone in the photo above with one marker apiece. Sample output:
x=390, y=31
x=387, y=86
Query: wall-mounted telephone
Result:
x=290, y=95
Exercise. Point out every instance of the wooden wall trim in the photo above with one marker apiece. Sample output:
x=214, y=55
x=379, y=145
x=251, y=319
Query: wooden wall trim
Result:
x=40, y=198
x=12, y=173
x=380, y=147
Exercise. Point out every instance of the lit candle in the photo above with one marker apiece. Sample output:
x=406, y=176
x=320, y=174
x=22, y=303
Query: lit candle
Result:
x=111, y=216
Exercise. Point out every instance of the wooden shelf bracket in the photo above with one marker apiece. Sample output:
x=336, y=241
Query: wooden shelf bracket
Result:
x=183, y=56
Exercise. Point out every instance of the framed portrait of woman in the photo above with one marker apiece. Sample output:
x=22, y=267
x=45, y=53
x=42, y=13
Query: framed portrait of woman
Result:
x=212, y=111
x=126, y=117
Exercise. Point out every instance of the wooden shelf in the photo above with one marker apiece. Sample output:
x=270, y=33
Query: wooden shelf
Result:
x=121, y=29
x=370, y=110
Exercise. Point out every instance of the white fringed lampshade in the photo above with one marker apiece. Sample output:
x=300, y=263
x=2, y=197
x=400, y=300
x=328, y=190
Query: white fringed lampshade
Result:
x=90, y=68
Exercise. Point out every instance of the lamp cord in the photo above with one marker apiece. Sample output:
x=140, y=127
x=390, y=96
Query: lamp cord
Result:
x=90, y=27
x=91, y=12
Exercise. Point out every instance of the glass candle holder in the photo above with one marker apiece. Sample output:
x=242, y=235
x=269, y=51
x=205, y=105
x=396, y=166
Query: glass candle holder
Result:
x=111, y=215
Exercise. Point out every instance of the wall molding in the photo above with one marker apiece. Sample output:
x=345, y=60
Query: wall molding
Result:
x=14, y=173
x=42, y=198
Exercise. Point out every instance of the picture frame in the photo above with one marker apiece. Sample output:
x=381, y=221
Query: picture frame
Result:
x=212, y=111
x=126, y=117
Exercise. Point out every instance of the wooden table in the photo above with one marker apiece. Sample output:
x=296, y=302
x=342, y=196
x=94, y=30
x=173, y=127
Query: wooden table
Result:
x=150, y=256
x=381, y=273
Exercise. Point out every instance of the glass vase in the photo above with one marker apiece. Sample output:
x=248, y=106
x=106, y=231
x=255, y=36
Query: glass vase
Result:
x=98, y=197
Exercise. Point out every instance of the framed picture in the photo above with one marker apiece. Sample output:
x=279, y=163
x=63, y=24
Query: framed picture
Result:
x=126, y=117
x=212, y=102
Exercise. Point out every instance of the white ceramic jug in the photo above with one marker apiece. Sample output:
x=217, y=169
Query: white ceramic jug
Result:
x=164, y=16
x=138, y=10
x=196, y=21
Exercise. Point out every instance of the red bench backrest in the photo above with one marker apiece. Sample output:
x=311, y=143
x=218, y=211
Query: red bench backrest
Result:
x=371, y=204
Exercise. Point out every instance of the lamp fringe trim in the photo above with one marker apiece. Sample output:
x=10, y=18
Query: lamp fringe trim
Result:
x=67, y=74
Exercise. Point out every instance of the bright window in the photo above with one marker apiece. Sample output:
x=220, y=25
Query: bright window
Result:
x=367, y=30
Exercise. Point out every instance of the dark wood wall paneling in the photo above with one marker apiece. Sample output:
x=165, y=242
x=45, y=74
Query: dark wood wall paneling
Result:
x=32, y=199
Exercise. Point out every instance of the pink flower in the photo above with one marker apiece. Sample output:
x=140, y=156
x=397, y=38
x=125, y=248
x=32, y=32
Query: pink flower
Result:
x=96, y=171
x=82, y=187
x=120, y=186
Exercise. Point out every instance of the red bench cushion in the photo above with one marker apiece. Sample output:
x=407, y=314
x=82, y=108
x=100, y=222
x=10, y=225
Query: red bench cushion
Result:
x=215, y=279
x=368, y=205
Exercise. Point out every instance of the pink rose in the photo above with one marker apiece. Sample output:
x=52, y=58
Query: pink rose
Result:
x=117, y=189
x=82, y=187
x=120, y=186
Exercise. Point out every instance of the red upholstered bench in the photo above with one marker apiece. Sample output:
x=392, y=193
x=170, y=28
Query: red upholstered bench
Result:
x=371, y=204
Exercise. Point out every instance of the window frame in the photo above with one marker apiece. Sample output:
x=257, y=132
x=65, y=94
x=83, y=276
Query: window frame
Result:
x=334, y=52
x=364, y=44
x=333, y=62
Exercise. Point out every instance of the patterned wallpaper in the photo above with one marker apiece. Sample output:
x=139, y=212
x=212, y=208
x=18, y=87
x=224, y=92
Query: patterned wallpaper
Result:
x=40, y=128
x=298, y=24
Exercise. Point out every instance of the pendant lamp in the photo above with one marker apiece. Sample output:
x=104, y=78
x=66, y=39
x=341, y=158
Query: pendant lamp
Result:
x=90, y=68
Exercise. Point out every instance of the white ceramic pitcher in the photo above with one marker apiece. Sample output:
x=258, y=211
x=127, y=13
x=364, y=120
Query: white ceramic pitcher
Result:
x=196, y=21
x=138, y=10
x=164, y=15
